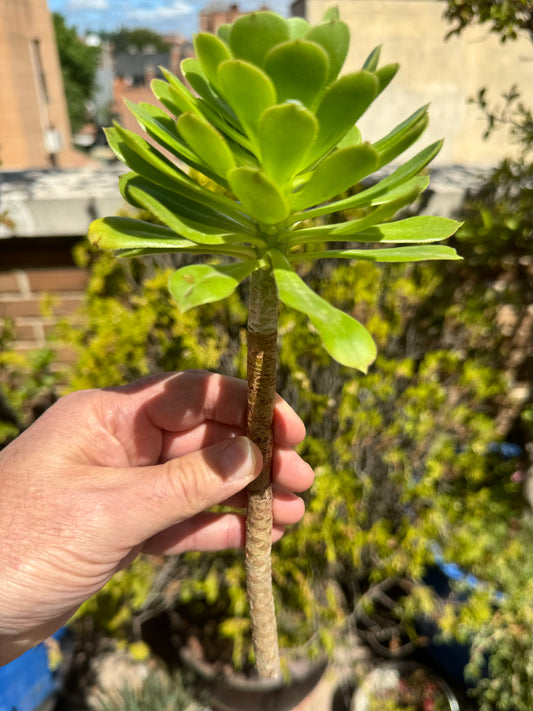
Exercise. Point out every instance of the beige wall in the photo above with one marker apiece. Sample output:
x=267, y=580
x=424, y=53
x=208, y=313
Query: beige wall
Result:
x=25, y=113
x=445, y=73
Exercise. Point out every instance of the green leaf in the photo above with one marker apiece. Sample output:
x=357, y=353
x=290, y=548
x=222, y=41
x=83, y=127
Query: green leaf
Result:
x=347, y=231
x=128, y=233
x=352, y=138
x=259, y=195
x=175, y=101
x=199, y=284
x=141, y=156
x=299, y=70
x=334, y=37
x=396, y=254
x=285, y=135
x=183, y=227
x=335, y=174
x=372, y=61
x=197, y=215
x=298, y=27
x=144, y=159
x=343, y=104
x=385, y=75
x=344, y=338
x=332, y=13
x=402, y=137
x=387, y=190
x=207, y=143
x=240, y=81
x=211, y=52
x=159, y=126
x=253, y=35
x=422, y=228
x=223, y=32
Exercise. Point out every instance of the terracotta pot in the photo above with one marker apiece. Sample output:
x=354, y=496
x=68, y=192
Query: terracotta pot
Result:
x=232, y=692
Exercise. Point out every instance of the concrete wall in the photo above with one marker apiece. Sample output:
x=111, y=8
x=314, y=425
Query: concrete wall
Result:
x=445, y=73
x=26, y=112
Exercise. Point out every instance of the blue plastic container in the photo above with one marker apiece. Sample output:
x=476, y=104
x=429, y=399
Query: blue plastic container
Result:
x=27, y=683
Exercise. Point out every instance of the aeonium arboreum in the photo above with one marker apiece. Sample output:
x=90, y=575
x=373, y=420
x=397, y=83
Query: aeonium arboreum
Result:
x=271, y=121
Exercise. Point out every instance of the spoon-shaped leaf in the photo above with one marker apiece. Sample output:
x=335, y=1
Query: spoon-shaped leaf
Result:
x=345, y=339
x=298, y=27
x=259, y=196
x=211, y=52
x=344, y=102
x=253, y=35
x=334, y=37
x=286, y=132
x=199, y=284
x=248, y=90
x=299, y=71
x=207, y=143
x=128, y=233
x=422, y=228
x=339, y=171
x=393, y=255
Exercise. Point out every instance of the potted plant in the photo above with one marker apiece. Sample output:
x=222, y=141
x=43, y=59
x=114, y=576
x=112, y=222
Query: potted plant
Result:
x=274, y=125
x=402, y=686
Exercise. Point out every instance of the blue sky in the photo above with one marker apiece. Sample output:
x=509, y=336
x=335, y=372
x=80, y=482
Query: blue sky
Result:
x=165, y=16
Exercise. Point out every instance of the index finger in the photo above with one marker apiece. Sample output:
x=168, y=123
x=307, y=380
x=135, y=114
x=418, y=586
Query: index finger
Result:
x=177, y=402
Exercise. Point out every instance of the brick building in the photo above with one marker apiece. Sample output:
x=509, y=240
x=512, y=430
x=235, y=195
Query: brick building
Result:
x=34, y=124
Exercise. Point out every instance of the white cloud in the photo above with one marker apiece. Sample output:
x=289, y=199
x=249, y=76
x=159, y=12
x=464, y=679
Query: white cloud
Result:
x=158, y=14
x=88, y=4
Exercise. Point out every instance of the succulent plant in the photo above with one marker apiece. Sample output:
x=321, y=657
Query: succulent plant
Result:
x=264, y=112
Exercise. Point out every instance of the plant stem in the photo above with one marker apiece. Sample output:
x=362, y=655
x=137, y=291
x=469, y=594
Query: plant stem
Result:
x=262, y=360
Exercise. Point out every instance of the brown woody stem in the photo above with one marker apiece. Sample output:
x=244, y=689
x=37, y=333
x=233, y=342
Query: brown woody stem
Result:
x=262, y=358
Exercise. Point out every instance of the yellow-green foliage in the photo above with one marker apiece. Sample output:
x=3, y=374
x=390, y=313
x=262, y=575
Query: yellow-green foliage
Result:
x=400, y=457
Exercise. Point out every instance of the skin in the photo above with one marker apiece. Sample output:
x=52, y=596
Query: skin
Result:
x=104, y=475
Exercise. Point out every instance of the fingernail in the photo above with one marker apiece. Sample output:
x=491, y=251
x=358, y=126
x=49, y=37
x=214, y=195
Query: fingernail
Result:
x=238, y=459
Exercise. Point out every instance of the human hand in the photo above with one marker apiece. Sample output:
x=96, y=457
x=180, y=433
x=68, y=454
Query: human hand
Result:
x=106, y=474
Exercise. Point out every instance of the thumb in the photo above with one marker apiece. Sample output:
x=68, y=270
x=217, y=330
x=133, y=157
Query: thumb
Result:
x=165, y=494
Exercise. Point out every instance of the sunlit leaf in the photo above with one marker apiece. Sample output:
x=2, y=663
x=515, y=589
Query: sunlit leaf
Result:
x=334, y=37
x=259, y=196
x=286, y=132
x=385, y=75
x=384, y=191
x=299, y=70
x=343, y=104
x=176, y=100
x=211, y=51
x=198, y=215
x=240, y=81
x=421, y=228
x=345, y=339
x=402, y=136
x=397, y=254
x=253, y=35
x=298, y=27
x=130, y=233
x=207, y=143
x=199, y=284
x=336, y=173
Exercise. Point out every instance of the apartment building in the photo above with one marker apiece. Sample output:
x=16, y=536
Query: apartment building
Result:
x=34, y=124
